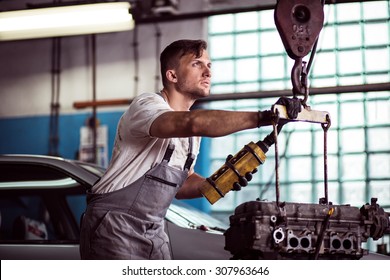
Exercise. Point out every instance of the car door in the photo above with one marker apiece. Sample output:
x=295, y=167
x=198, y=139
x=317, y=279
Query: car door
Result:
x=37, y=221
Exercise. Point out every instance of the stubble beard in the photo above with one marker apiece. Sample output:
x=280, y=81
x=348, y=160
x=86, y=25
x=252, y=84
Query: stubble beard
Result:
x=193, y=92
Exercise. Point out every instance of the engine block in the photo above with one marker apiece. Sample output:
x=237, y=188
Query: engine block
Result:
x=265, y=230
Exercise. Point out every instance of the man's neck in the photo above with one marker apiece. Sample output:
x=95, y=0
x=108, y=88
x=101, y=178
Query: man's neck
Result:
x=176, y=100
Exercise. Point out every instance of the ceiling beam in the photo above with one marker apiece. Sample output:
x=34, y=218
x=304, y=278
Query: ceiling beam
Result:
x=141, y=18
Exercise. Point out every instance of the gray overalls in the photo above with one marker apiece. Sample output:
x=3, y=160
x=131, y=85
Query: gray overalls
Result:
x=129, y=223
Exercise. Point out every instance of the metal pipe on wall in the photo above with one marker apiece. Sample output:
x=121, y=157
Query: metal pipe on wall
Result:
x=55, y=96
x=313, y=91
x=94, y=114
x=249, y=95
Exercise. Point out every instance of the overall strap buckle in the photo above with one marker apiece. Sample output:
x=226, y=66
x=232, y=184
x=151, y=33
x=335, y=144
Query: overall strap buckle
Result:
x=169, y=152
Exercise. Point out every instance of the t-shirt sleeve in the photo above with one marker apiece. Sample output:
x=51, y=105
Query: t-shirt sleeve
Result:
x=142, y=113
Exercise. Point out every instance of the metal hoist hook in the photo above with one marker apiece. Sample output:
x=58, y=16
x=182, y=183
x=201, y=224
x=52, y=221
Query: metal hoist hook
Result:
x=299, y=80
x=299, y=23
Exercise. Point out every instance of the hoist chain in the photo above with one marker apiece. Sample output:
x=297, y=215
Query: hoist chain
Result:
x=299, y=80
x=276, y=129
x=275, y=125
x=325, y=127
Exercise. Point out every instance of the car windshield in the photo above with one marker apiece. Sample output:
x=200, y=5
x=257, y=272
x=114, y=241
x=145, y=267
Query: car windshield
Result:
x=186, y=216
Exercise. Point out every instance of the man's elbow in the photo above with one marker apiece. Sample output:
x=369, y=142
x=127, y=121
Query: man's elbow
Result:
x=196, y=124
x=179, y=196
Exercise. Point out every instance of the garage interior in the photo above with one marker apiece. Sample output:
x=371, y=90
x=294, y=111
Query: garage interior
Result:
x=63, y=96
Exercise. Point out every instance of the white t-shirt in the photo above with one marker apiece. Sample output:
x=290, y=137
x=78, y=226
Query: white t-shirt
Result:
x=135, y=151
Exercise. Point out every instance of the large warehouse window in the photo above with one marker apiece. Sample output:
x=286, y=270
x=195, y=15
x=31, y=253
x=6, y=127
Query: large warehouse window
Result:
x=353, y=49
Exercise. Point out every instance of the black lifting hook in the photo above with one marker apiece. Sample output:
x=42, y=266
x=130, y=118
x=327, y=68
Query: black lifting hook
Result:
x=325, y=126
x=299, y=80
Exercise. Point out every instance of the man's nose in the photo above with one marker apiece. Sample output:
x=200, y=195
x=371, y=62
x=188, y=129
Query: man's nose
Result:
x=207, y=72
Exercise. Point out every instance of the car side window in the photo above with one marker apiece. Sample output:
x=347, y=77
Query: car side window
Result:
x=25, y=217
x=77, y=205
x=34, y=204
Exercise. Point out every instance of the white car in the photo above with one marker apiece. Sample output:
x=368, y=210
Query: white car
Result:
x=42, y=199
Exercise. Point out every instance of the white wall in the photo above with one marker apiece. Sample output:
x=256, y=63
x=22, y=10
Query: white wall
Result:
x=25, y=66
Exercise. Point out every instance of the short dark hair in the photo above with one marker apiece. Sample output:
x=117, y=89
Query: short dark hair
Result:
x=171, y=55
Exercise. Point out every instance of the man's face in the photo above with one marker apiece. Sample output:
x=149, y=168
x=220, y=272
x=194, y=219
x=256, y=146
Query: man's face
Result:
x=194, y=75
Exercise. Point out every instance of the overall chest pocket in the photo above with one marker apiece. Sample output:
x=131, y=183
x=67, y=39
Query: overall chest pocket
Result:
x=160, y=180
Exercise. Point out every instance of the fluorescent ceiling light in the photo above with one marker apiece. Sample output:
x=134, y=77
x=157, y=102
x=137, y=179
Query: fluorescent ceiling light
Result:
x=65, y=21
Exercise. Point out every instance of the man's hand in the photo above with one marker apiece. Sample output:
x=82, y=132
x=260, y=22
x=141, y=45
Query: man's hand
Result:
x=264, y=118
x=242, y=180
x=293, y=106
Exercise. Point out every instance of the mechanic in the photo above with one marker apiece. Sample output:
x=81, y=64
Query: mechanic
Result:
x=155, y=149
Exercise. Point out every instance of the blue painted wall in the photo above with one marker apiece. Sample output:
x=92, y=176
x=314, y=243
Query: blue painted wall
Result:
x=30, y=135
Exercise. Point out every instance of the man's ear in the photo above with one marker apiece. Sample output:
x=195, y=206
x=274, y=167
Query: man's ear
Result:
x=171, y=76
